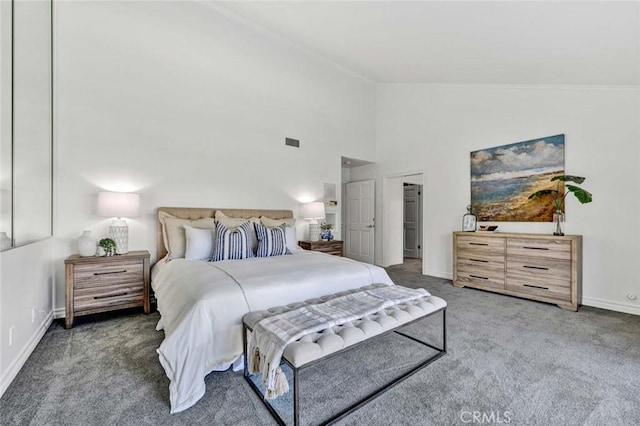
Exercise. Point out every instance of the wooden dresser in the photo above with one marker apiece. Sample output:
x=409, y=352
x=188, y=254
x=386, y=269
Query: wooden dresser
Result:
x=334, y=247
x=99, y=284
x=541, y=267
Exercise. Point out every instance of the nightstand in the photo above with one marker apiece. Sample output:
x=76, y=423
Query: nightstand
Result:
x=101, y=284
x=334, y=247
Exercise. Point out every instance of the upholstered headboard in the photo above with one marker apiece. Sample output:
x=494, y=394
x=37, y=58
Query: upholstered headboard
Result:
x=198, y=213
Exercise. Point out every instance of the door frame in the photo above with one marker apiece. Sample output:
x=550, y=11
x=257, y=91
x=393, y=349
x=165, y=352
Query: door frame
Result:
x=392, y=217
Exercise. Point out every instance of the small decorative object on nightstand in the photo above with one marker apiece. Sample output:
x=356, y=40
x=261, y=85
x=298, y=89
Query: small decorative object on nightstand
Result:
x=101, y=284
x=334, y=247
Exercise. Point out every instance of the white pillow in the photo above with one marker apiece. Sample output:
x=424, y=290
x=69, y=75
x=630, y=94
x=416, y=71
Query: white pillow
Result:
x=290, y=231
x=174, y=235
x=199, y=243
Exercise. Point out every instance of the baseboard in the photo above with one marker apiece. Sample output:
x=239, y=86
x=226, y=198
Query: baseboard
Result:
x=612, y=306
x=24, y=354
x=439, y=274
x=59, y=313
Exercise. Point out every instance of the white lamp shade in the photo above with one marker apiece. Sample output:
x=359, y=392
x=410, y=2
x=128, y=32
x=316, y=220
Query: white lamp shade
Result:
x=313, y=210
x=118, y=204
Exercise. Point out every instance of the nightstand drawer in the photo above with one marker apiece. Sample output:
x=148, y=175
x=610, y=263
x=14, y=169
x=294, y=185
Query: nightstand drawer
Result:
x=92, y=275
x=334, y=247
x=108, y=297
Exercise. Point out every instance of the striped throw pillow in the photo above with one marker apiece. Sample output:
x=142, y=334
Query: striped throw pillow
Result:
x=232, y=244
x=271, y=241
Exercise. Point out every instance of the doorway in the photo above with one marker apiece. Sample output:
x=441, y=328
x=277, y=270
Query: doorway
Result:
x=403, y=220
x=412, y=226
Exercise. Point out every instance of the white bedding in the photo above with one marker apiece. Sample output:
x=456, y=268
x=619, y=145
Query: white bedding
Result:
x=202, y=305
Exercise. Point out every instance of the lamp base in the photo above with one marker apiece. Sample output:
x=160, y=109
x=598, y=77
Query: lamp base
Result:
x=119, y=232
x=314, y=231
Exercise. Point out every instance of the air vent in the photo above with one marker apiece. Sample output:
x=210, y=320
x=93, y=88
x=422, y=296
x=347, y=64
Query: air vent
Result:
x=292, y=142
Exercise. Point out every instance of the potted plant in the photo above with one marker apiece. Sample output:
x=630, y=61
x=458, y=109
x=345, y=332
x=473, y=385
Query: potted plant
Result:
x=559, y=195
x=326, y=231
x=108, y=245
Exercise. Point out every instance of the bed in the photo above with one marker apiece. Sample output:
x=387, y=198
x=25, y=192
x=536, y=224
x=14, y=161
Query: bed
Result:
x=202, y=303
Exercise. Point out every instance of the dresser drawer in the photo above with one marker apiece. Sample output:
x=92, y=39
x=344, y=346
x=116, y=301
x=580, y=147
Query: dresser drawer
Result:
x=98, y=275
x=487, y=245
x=482, y=278
x=539, y=271
x=549, y=249
x=108, y=297
x=536, y=288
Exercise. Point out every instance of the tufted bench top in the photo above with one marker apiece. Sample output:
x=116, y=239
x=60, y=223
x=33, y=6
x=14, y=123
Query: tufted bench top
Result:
x=319, y=345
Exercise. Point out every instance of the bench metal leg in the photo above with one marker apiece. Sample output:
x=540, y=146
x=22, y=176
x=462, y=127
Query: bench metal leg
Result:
x=440, y=352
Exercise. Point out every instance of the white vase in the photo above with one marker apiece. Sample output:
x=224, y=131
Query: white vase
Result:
x=86, y=244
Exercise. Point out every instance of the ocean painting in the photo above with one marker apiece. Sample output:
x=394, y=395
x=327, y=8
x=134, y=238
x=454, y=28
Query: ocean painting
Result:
x=502, y=178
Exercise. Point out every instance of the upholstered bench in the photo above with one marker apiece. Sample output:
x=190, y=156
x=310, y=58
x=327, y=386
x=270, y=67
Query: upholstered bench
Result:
x=319, y=346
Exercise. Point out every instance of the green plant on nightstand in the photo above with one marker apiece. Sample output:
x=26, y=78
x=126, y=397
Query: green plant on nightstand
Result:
x=108, y=245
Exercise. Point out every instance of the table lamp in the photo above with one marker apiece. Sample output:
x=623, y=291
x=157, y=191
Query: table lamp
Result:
x=313, y=211
x=119, y=205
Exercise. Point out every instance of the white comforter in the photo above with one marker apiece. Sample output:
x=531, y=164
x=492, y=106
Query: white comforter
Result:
x=202, y=305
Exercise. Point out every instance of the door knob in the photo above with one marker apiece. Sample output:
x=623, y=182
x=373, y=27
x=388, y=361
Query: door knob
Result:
x=369, y=226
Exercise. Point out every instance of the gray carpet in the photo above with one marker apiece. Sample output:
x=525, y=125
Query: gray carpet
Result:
x=510, y=361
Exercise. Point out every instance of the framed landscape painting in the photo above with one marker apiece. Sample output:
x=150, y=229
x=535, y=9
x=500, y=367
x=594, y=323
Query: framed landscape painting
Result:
x=502, y=178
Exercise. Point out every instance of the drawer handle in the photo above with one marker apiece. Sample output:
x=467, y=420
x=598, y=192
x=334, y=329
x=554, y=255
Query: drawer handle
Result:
x=536, y=286
x=479, y=260
x=536, y=267
x=476, y=276
x=111, y=295
x=479, y=244
x=109, y=273
x=535, y=248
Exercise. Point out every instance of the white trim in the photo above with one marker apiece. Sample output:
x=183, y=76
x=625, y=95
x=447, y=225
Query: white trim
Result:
x=24, y=354
x=439, y=274
x=59, y=313
x=611, y=305
x=511, y=86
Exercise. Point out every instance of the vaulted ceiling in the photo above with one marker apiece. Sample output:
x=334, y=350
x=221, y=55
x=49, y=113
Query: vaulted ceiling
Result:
x=476, y=42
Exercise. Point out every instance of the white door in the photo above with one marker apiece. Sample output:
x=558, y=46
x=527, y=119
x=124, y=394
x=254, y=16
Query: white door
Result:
x=412, y=231
x=360, y=220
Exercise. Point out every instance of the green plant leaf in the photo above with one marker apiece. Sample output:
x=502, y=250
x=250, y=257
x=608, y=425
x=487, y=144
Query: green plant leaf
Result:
x=568, y=178
x=543, y=192
x=582, y=195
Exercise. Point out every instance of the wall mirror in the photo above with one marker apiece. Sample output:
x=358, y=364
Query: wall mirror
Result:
x=26, y=122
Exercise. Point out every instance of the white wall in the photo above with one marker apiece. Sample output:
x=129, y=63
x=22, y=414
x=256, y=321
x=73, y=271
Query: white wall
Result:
x=26, y=285
x=435, y=128
x=189, y=108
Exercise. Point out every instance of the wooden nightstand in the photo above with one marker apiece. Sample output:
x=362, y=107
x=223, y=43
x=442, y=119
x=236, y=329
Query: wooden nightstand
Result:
x=334, y=247
x=101, y=284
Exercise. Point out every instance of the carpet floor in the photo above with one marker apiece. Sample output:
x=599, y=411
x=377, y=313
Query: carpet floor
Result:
x=509, y=361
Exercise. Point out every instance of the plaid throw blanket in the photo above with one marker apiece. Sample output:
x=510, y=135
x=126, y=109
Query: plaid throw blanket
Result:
x=271, y=335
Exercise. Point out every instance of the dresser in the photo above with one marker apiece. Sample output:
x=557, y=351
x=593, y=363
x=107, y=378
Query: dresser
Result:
x=334, y=247
x=100, y=284
x=541, y=267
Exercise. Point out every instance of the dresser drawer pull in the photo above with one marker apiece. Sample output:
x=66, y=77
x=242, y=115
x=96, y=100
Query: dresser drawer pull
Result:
x=111, y=295
x=536, y=248
x=479, y=260
x=479, y=244
x=536, y=286
x=109, y=273
x=536, y=267
x=476, y=276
